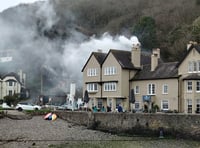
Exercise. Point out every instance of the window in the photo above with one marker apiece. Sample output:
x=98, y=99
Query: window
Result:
x=165, y=89
x=118, y=102
x=111, y=86
x=10, y=92
x=100, y=103
x=92, y=72
x=92, y=87
x=189, y=106
x=198, y=106
x=198, y=86
x=189, y=86
x=137, y=90
x=194, y=66
x=190, y=66
x=10, y=83
x=165, y=105
x=110, y=70
x=137, y=105
x=198, y=65
x=151, y=89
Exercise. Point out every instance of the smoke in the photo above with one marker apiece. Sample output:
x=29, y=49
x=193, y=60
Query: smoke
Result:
x=76, y=55
x=33, y=52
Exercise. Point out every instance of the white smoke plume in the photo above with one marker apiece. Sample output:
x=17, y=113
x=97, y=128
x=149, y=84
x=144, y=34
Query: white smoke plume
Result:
x=76, y=55
x=33, y=51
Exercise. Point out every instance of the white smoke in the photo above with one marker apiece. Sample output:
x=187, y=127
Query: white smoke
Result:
x=19, y=32
x=75, y=55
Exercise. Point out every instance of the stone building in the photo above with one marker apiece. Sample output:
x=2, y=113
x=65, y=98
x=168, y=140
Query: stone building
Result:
x=172, y=86
x=13, y=83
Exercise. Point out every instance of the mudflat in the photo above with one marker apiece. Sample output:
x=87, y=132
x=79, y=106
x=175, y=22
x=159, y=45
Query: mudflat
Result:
x=37, y=132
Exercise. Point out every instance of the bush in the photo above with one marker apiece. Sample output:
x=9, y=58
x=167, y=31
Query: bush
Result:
x=10, y=99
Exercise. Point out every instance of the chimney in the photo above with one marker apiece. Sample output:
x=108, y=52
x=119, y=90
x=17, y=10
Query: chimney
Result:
x=135, y=55
x=154, y=58
x=190, y=44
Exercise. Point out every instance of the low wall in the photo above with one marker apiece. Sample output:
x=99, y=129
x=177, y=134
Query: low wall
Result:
x=178, y=125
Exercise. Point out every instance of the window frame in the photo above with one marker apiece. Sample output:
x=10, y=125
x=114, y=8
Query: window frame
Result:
x=198, y=86
x=92, y=87
x=189, y=106
x=137, y=89
x=91, y=72
x=151, y=89
x=198, y=106
x=189, y=86
x=165, y=89
x=110, y=86
x=163, y=103
x=110, y=70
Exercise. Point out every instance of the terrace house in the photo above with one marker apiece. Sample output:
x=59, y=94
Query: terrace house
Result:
x=110, y=77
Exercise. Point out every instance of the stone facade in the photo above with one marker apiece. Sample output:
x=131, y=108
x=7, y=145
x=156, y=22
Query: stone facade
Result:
x=178, y=125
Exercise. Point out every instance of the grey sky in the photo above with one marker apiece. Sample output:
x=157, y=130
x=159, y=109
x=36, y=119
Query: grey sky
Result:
x=4, y=4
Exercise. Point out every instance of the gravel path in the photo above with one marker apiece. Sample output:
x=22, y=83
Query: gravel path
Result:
x=37, y=132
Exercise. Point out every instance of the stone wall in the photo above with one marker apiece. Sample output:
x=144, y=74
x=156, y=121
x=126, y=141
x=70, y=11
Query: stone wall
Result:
x=178, y=125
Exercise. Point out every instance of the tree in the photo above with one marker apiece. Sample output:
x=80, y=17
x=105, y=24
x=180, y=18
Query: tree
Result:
x=10, y=99
x=145, y=30
x=196, y=29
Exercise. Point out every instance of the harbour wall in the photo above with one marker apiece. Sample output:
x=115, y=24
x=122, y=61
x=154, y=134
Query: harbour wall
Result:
x=144, y=124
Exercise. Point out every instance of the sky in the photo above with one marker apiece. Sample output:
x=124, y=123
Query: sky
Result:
x=4, y=4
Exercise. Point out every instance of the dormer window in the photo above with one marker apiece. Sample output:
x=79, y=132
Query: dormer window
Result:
x=193, y=66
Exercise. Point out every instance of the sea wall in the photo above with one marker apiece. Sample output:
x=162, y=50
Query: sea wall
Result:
x=178, y=125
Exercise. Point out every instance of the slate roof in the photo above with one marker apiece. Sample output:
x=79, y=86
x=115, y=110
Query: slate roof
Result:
x=197, y=47
x=192, y=77
x=12, y=74
x=124, y=58
x=99, y=56
x=162, y=71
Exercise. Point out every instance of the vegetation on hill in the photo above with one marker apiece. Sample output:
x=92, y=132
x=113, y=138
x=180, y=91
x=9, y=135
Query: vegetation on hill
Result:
x=44, y=29
x=169, y=25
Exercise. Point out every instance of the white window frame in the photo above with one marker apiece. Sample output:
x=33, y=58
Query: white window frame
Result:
x=151, y=89
x=99, y=103
x=189, y=86
x=110, y=86
x=165, y=89
x=165, y=104
x=110, y=70
x=190, y=67
x=198, y=65
x=194, y=66
x=198, y=106
x=198, y=86
x=137, y=105
x=137, y=90
x=189, y=106
x=92, y=87
x=92, y=72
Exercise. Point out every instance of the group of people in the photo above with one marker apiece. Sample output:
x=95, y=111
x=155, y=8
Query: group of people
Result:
x=108, y=109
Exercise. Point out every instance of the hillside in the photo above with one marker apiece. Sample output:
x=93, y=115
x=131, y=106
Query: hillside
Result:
x=53, y=36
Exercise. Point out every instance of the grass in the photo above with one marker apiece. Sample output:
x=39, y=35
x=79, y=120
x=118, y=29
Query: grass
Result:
x=134, y=142
x=38, y=112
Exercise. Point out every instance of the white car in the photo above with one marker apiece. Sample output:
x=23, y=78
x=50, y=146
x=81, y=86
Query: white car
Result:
x=5, y=106
x=27, y=106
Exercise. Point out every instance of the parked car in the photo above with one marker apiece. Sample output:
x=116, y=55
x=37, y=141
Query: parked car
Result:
x=5, y=106
x=27, y=106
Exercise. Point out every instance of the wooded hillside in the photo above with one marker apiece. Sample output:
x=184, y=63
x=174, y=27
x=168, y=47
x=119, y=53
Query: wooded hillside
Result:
x=169, y=25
